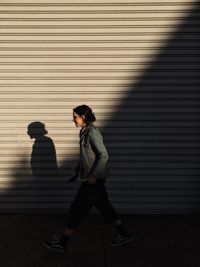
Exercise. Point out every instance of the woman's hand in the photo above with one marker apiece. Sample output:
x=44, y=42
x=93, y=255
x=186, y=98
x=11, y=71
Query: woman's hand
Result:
x=73, y=179
x=75, y=175
x=92, y=180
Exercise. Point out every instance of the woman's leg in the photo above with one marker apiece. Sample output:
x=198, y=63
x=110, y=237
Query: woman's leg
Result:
x=103, y=204
x=80, y=207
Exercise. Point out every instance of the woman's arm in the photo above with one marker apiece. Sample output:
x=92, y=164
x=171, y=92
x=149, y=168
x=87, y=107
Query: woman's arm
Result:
x=98, y=147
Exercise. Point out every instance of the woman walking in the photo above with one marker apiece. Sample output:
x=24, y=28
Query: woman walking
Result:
x=93, y=171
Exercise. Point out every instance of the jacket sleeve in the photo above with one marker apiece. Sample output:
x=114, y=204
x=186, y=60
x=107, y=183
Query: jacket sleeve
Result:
x=101, y=155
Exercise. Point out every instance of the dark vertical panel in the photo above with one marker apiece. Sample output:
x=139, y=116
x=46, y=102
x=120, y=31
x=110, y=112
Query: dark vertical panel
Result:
x=157, y=127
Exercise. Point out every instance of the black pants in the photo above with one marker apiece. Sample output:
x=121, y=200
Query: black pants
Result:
x=90, y=195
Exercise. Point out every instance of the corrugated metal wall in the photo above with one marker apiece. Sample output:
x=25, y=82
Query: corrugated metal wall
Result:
x=136, y=63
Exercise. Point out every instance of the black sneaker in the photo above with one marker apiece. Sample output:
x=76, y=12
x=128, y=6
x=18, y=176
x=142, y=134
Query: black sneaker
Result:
x=54, y=245
x=120, y=240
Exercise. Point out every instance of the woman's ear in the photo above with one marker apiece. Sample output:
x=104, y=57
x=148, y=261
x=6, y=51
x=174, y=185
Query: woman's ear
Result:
x=83, y=116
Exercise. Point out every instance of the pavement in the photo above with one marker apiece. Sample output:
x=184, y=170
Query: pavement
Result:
x=158, y=241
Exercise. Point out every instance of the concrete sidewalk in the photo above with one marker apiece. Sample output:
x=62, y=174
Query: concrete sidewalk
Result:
x=159, y=241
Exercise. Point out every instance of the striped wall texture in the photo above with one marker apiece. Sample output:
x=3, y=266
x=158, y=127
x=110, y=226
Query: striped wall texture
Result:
x=136, y=63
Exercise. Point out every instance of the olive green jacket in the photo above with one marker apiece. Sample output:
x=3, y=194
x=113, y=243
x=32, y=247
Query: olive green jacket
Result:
x=93, y=154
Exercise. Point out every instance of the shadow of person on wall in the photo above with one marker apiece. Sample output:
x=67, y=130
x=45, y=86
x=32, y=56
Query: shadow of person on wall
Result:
x=43, y=156
x=46, y=175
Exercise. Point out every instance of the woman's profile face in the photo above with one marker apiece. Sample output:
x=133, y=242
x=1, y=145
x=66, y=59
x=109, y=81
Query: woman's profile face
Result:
x=78, y=120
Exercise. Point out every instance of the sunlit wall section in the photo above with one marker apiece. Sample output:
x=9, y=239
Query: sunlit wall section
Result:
x=56, y=55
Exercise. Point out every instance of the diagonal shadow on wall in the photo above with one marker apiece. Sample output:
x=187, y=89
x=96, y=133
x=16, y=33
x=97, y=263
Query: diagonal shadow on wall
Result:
x=154, y=148
x=153, y=136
